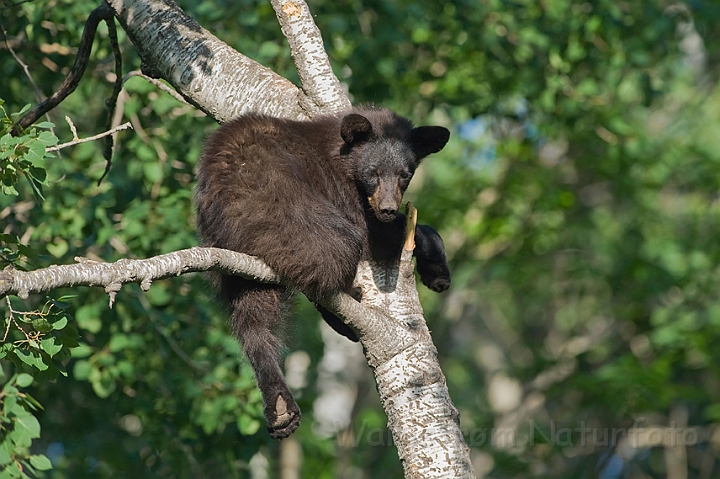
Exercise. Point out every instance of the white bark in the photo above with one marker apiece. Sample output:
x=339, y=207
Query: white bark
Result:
x=306, y=45
x=390, y=322
x=206, y=71
x=421, y=417
x=144, y=271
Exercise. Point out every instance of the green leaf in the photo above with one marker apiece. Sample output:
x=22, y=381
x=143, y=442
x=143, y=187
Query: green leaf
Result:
x=38, y=174
x=24, y=380
x=9, y=189
x=247, y=425
x=13, y=471
x=47, y=138
x=60, y=323
x=82, y=351
x=118, y=342
x=40, y=462
x=104, y=387
x=5, y=449
x=25, y=356
x=88, y=318
x=59, y=248
x=82, y=370
x=29, y=424
x=49, y=346
x=42, y=325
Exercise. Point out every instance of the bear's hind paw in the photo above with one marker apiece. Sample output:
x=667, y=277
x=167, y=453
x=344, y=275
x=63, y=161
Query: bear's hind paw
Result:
x=287, y=418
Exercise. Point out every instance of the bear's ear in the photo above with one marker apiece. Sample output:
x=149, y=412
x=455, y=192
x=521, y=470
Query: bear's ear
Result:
x=425, y=140
x=355, y=128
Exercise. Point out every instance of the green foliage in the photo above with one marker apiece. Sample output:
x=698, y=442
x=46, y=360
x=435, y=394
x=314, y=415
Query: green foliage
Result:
x=23, y=155
x=18, y=428
x=37, y=342
x=577, y=199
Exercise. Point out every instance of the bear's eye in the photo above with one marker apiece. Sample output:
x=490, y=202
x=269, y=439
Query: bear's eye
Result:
x=405, y=175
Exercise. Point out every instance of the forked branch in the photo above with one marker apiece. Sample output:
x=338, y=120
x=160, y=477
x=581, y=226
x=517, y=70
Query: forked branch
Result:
x=322, y=88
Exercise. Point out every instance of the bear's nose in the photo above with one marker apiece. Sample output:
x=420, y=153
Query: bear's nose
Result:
x=387, y=214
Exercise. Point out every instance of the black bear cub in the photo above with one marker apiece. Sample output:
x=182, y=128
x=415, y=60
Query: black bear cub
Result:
x=311, y=199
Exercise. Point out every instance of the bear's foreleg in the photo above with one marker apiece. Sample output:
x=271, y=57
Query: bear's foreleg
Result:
x=431, y=260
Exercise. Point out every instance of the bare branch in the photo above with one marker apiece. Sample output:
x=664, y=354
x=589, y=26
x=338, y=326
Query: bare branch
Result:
x=72, y=128
x=144, y=271
x=112, y=276
x=103, y=12
x=410, y=225
x=77, y=141
x=162, y=86
x=308, y=51
x=26, y=69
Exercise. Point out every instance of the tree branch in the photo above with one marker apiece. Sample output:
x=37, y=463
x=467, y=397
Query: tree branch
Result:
x=111, y=276
x=144, y=271
x=207, y=72
x=160, y=85
x=22, y=64
x=103, y=12
x=308, y=51
x=111, y=102
x=77, y=141
x=391, y=326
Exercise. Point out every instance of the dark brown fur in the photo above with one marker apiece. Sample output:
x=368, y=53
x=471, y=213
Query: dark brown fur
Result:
x=311, y=199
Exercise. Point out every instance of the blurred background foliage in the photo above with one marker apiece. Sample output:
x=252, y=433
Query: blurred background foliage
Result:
x=578, y=197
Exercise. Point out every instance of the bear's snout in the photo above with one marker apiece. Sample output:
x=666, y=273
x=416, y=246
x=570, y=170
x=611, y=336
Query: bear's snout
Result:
x=386, y=215
x=386, y=200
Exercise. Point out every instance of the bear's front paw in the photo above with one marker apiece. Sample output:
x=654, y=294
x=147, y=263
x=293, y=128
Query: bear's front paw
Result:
x=433, y=274
x=284, y=419
x=437, y=283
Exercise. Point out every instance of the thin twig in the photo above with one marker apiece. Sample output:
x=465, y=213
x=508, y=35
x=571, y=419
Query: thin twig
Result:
x=26, y=69
x=72, y=128
x=10, y=318
x=162, y=86
x=77, y=141
x=22, y=64
x=177, y=349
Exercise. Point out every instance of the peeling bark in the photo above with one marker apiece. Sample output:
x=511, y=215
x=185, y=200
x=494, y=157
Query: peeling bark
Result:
x=207, y=72
x=421, y=417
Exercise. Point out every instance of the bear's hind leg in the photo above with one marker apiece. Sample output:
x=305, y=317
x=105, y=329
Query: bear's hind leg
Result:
x=256, y=310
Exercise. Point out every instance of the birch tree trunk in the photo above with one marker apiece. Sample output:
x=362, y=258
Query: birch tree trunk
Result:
x=224, y=83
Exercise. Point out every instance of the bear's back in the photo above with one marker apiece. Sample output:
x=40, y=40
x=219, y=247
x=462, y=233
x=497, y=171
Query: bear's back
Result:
x=264, y=180
x=250, y=150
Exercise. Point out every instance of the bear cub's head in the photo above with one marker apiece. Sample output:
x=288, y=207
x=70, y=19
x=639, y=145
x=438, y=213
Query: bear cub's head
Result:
x=388, y=150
